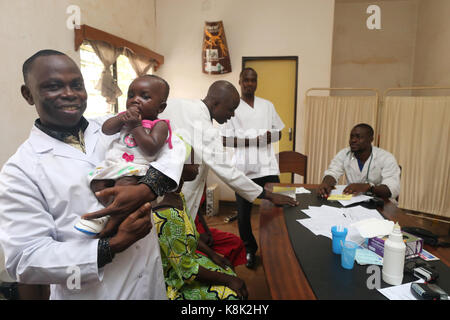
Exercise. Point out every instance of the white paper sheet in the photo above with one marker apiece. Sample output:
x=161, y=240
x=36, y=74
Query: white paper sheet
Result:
x=301, y=190
x=324, y=217
x=339, y=189
x=401, y=292
x=372, y=227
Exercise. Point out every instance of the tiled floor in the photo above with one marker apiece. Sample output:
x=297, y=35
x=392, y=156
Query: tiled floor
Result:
x=255, y=279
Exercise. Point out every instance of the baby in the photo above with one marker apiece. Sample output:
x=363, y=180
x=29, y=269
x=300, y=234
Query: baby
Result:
x=142, y=135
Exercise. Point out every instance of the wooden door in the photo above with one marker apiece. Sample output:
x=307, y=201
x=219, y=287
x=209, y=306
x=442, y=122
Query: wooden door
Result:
x=277, y=82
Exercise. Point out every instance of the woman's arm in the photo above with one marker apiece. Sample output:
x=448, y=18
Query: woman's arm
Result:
x=213, y=277
x=209, y=241
x=216, y=258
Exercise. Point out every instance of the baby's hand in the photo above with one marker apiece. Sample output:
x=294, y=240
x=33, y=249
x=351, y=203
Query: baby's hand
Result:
x=132, y=118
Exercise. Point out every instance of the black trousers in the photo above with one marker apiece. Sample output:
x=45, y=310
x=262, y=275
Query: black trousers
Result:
x=244, y=209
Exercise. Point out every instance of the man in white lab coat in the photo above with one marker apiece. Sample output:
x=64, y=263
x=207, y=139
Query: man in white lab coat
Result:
x=368, y=169
x=251, y=133
x=192, y=119
x=44, y=191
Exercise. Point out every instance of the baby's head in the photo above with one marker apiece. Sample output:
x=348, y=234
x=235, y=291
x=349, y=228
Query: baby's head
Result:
x=149, y=94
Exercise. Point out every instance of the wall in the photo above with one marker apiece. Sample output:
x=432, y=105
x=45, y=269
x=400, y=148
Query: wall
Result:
x=27, y=26
x=432, y=64
x=300, y=28
x=379, y=59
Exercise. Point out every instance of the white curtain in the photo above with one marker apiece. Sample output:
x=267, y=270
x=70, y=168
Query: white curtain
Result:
x=329, y=120
x=416, y=130
x=107, y=54
x=139, y=64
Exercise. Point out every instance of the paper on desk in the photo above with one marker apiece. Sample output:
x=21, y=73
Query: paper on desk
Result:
x=321, y=226
x=301, y=190
x=287, y=191
x=401, y=292
x=323, y=211
x=324, y=217
x=339, y=197
x=339, y=191
x=359, y=213
x=373, y=227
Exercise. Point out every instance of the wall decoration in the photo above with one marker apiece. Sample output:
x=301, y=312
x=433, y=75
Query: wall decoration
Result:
x=215, y=53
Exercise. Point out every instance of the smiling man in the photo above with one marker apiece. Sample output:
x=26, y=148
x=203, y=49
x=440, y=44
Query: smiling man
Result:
x=44, y=191
x=368, y=169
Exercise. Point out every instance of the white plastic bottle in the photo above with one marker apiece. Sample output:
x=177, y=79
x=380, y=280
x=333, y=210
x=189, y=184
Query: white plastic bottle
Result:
x=394, y=257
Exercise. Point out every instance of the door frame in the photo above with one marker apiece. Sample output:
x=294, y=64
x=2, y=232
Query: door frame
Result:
x=295, y=58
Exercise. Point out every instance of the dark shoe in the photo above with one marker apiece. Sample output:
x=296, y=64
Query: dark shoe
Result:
x=230, y=218
x=251, y=260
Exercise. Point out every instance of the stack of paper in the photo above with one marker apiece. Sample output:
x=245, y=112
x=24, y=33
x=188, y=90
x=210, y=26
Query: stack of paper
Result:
x=287, y=191
x=323, y=218
x=301, y=190
x=346, y=199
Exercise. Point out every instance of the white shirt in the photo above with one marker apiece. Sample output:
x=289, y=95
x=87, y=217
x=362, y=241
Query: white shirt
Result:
x=192, y=121
x=249, y=123
x=380, y=168
x=43, y=193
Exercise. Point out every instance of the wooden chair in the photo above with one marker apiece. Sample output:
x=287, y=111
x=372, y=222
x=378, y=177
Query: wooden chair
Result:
x=294, y=162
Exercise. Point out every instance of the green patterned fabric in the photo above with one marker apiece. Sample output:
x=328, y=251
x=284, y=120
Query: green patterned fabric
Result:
x=178, y=240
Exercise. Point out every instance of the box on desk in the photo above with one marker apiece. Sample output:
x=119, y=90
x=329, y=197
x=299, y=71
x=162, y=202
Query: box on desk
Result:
x=414, y=245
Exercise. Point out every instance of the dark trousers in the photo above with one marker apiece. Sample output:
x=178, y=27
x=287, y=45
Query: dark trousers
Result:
x=244, y=209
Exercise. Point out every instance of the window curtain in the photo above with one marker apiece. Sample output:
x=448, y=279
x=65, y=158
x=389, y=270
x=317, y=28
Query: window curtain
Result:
x=329, y=120
x=140, y=65
x=107, y=54
x=416, y=130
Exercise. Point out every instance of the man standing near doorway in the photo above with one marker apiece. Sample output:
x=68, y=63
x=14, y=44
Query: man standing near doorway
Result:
x=251, y=132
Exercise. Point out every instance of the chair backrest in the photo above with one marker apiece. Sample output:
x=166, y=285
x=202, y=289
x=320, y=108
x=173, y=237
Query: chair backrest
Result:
x=294, y=162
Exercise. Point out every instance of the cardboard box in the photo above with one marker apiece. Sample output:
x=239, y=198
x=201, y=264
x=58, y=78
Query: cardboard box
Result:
x=414, y=245
x=212, y=200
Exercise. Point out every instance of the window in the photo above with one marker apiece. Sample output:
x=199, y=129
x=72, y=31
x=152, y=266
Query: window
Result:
x=92, y=68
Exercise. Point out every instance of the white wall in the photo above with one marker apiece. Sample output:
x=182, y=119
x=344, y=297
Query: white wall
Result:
x=432, y=63
x=378, y=59
x=300, y=28
x=27, y=26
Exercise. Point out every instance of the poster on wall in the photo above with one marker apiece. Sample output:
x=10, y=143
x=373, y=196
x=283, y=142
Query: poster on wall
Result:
x=215, y=54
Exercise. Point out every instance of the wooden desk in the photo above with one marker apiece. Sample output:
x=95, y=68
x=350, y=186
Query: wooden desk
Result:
x=285, y=277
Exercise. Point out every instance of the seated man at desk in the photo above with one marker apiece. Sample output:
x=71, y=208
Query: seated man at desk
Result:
x=368, y=169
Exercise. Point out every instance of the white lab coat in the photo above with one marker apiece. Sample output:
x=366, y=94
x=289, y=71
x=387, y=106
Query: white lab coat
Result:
x=192, y=121
x=43, y=192
x=251, y=122
x=380, y=168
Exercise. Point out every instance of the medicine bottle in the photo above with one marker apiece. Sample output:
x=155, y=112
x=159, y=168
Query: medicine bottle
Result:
x=394, y=257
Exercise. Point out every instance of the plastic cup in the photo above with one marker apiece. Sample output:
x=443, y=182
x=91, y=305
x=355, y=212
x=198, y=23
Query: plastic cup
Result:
x=348, y=254
x=339, y=233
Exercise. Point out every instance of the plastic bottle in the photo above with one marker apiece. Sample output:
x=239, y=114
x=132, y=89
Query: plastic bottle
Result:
x=394, y=257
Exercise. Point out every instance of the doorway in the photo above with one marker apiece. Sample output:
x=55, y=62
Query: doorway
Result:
x=277, y=82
